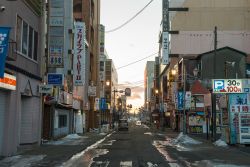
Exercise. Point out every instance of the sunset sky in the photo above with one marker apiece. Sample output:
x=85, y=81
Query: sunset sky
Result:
x=135, y=41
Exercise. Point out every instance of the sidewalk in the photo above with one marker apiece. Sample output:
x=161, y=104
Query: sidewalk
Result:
x=53, y=153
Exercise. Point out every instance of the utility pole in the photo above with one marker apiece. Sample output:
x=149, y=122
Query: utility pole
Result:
x=213, y=94
x=184, y=98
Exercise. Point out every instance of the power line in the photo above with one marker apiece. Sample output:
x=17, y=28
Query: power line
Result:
x=137, y=61
x=117, y=28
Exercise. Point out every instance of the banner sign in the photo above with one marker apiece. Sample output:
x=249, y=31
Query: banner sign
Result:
x=103, y=104
x=97, y=103
x=165, y=48
x=79, y=54
x=4, y=39
x=180, y=100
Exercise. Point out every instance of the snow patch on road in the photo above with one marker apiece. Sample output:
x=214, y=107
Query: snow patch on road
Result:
x=210, y=163
x=220, y=143
x=148, y=133
x=91, y=154
x=145, y=126
x=151, y=165
x=185, y=139
x=21, y=160
x=160, y=146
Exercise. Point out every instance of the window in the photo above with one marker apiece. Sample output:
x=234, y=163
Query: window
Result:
x=27, y=39
x=62, y=121
x=30, y=43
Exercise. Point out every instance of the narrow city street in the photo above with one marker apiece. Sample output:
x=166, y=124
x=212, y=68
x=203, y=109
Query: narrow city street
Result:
x=144, y=147
x=140, y=146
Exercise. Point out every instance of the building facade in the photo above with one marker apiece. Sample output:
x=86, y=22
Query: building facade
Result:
x=20, y=108
x=148, y=84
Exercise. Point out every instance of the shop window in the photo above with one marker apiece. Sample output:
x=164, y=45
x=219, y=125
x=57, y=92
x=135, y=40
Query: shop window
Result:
x=62, y=121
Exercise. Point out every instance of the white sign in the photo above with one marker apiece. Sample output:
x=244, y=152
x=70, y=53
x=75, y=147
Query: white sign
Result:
x=188, y=99
x=79, y=54
x=227, y=86
x=97, y=103
x=165, y=48
x=8, y=82
x=47, y=89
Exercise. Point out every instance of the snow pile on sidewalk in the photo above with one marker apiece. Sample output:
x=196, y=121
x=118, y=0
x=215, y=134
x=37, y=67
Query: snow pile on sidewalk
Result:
x=185, y=139
x=220, y=143
x=72, y=136
x=21, y=160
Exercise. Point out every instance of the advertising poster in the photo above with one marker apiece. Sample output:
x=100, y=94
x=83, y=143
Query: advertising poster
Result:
x=239, y=103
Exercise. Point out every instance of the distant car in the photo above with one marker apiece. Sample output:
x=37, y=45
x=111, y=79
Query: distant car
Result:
x=138, y=123
x=123, y=124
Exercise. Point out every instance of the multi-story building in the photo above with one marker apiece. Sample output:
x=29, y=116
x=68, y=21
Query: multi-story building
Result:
x=148, y=84
x=20, y=101
x=88, y=11
x=110, y=94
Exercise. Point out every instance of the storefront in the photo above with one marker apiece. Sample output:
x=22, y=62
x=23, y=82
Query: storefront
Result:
x=7, y=84
x=63, y=115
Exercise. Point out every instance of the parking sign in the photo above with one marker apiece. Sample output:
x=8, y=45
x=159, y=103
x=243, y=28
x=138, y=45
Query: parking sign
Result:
x=227, y=86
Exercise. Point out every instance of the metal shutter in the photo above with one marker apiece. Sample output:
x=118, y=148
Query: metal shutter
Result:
x=3, y=96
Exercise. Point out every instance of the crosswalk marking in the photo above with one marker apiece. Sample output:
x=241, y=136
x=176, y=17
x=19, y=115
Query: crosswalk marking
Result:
x=126, y=164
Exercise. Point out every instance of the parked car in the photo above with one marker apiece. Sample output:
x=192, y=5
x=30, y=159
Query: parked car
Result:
x=138, y=123
x=123, y=124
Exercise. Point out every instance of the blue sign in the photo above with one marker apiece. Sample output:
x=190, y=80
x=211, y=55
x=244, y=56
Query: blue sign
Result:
x=4, y=39
x=218, y=85
x=180, y=100
x=55, y=79
x=103, y=104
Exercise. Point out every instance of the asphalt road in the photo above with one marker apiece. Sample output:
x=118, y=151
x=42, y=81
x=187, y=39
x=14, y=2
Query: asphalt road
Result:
x=144, y=147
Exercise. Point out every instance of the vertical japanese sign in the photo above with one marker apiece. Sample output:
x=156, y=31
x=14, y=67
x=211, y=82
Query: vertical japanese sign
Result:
x=180, y=100
x=79, y=54
x=101, y=52
x=165, y=49
x=56, y=33
x=4, y=38
x=165, y=34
